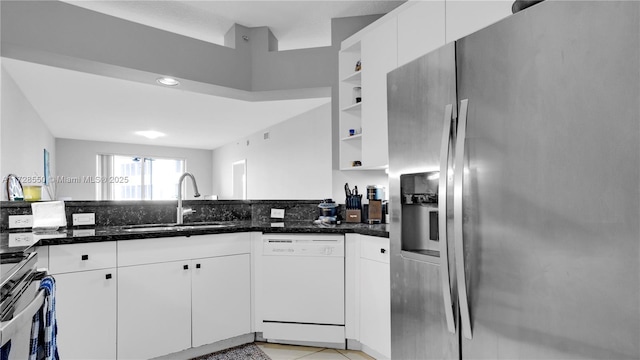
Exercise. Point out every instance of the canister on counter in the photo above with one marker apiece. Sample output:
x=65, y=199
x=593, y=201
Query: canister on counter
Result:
x=32, y=192
x=375, y=192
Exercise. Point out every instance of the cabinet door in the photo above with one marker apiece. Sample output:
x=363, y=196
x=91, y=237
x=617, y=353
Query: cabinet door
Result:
x=421, y=28
x=154, y=309
x=379, y=56
x=464, y=17
x=375, y=306
x=221, y=298
x=86, y=314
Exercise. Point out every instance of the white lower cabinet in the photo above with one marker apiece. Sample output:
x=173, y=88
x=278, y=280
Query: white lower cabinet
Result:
x=86, y=288
x=170, y=294
x=154, y=309
x=368, y=307
x=178, y=293
x=165, y=295
x=221, y=298
x=86, y=314
x=375, y=306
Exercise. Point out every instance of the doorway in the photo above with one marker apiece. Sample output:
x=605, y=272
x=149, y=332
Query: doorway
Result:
x=239, y=179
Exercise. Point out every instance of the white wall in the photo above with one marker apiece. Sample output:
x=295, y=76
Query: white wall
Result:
x=23, y=136
x=294, y=163
x=77, y=158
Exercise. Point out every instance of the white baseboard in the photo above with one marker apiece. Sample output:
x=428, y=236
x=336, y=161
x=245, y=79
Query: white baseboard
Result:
x=374, y=354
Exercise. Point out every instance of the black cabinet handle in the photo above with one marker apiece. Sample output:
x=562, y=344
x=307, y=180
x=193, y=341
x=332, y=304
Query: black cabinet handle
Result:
x=108, y=276
x=382, y=251
x=85, y=257
x=197, y=266
x=186, y=267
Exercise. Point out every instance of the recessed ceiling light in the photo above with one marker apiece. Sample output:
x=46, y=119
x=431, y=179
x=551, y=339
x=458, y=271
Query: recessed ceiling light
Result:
x=168, y=81
x=150, y=134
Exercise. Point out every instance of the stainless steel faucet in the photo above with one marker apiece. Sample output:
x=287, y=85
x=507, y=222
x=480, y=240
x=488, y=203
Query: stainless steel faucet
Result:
x=181, y=213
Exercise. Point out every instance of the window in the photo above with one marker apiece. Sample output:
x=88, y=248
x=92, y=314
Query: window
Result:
x=127, y=177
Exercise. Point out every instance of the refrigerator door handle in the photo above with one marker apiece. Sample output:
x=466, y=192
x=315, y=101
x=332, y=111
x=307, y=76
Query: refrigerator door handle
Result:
x=457, y=220
x=442, y=218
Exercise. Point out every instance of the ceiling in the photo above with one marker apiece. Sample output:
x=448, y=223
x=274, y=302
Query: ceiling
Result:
x=295, y=23
x=78, y=105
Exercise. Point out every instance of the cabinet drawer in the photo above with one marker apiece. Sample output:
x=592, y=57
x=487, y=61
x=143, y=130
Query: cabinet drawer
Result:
x=81, y=257
x=150, y=251
x=375, y=248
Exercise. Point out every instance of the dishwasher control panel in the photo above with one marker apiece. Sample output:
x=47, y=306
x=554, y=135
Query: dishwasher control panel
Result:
x=304, y=245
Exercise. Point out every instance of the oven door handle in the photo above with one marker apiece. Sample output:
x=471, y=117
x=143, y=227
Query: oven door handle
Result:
x=25, y=317
x=28, y=261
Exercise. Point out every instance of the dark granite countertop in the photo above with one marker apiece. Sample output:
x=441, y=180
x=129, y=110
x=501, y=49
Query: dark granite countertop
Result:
x=21, y=240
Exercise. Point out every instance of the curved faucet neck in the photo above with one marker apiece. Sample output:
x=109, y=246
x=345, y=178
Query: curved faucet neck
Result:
x=180, y=213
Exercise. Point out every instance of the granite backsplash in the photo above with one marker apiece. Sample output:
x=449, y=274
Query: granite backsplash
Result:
x=119, y=213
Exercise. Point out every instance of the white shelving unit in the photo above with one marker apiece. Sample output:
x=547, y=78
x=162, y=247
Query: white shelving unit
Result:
x=375, y=48
x=356, y=106
x=350, y=110
x=354, y=78
x=354, y=137
x=411, y=30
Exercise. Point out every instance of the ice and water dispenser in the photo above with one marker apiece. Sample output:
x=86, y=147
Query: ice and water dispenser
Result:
x=420, y=212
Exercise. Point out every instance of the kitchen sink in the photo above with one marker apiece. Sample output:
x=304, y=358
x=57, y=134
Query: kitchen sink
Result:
x=202, y=226
x=174, y=227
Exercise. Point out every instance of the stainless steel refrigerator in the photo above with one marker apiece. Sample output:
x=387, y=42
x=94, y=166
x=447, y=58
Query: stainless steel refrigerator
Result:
x=514, y=173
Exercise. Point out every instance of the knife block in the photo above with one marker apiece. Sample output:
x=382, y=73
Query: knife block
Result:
x=354, y=216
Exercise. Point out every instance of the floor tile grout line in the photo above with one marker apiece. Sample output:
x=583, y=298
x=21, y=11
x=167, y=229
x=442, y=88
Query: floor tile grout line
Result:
x=344, y=353
x=315, y=352
x=361, y=355
x=286, y=348
x=337, y=352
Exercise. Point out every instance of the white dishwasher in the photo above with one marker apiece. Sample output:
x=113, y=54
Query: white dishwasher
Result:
x=303, y=288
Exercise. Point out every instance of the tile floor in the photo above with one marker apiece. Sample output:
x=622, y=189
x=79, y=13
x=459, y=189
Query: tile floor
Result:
x=291, y=352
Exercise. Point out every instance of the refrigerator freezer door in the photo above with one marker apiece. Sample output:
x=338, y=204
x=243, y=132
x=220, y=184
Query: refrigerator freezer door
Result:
x=418, y=95
x=551, y=182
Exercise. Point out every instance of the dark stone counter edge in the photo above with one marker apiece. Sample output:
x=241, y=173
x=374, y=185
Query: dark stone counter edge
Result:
x=27, y=204
x=117, y=233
